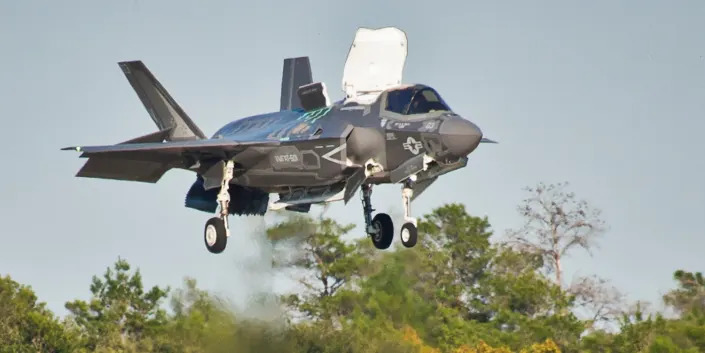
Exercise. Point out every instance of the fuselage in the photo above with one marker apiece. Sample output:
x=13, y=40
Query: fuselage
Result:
x=322, y=146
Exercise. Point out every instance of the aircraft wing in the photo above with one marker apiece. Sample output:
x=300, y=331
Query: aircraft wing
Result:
x=147, y=162
x=160, y=151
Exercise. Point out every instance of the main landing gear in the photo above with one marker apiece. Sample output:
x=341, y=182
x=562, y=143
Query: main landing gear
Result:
x=216, y=232
x=381, y=227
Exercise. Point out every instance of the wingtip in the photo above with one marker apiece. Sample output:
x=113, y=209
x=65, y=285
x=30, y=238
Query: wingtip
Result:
x=73, y=148
x=486, y=140
x=129, y=62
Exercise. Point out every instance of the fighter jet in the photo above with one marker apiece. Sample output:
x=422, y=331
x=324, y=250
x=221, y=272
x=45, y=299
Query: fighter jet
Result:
x=311, y=151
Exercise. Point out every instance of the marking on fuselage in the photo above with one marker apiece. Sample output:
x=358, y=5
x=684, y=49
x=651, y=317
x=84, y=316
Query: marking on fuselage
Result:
x=412, y=145
x=354, y=107
x=328, y=156
x=313, y=115
x=429, y=126
x=286, y=158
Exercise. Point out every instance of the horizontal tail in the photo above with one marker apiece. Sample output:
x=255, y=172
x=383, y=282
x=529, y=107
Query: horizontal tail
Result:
x=173, y=123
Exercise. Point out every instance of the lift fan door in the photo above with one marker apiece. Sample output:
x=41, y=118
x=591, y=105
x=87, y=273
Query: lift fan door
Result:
x=375, y=62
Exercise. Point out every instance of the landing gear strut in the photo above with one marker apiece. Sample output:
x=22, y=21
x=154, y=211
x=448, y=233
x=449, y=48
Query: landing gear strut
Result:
x=380, y=228
x=408, y=233
x=216, y=232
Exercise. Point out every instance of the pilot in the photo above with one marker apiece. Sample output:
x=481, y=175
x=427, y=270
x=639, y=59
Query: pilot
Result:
x=419, y=105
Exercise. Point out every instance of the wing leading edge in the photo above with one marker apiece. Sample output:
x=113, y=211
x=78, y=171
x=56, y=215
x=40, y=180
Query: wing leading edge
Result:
x=148, y=162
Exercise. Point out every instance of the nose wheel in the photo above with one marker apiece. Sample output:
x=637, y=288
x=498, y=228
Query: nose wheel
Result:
x=216, y=231
x=408, y=233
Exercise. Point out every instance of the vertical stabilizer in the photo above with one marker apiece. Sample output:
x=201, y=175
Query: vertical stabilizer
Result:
x=163, y=109
x=296, y=73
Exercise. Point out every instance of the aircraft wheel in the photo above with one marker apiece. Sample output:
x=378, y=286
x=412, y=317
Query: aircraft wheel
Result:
x=215, y=236
x=408, y=235
x=385, y=234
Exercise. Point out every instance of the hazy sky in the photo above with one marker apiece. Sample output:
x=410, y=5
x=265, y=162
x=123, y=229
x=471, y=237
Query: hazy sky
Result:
x=608, y=95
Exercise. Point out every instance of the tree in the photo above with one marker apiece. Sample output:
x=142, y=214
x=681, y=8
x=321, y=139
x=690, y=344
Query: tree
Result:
x=26, y=325
x=457, y=252
x=120, y=314
x=457, y=289
x=455, y=292
x=689, y=298
x=648, y=332
x=556, y=222
x=199, y=320
x=600, y=301
x=203, y=322
x=328, y=262
x=525, y=305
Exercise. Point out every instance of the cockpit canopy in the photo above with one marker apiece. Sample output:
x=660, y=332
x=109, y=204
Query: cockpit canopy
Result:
x=416, y=99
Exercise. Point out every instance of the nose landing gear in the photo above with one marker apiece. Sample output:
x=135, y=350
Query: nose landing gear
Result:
x=381, y=227
x=408, y=233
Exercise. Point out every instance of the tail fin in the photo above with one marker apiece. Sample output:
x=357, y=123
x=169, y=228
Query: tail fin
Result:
x=296, y=73
x=172, y=121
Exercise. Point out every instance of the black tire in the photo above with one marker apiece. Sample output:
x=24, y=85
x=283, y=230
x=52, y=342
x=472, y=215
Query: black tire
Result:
x=383, y=238
x=216, y=245
x=412, y=234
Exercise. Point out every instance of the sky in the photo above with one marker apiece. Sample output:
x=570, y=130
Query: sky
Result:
x=606, y=95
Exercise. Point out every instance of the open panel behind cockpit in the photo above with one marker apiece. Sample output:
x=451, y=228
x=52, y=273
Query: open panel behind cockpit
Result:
x=375, y=63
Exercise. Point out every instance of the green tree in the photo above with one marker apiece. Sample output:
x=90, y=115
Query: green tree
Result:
x=26, y=325
x=641, y=332
x=120, y=315
x=522, y=302
x=456, y=252
x=327, y=262
x=456, y=288
x=689, y=298
x=202, y=322
x=395, y=297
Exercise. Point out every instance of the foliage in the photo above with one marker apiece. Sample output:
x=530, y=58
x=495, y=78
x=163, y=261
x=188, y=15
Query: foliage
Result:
x=689, y=297
x=318, y=249
x=120, y=315
x=26, y=325
x=455, y=292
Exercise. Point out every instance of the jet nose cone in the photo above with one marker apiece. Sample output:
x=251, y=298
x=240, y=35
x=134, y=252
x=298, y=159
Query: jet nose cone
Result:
x=460, y=136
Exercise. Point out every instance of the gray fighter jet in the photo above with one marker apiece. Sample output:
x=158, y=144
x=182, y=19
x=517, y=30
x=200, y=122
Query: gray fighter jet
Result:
x=311, y=151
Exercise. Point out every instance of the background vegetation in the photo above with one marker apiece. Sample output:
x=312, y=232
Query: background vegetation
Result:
x=456, y=291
